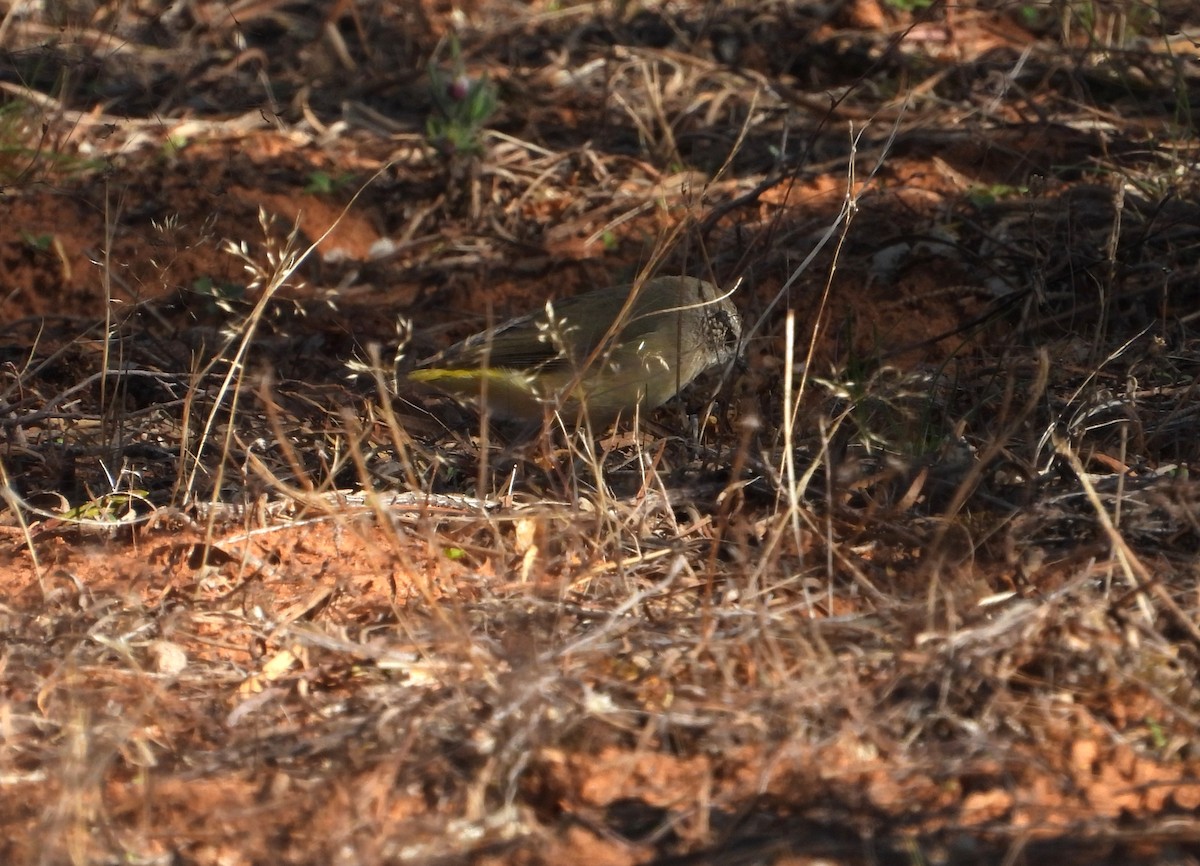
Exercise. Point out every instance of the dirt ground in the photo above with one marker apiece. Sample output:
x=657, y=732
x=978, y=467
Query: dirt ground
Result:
x=915, y=582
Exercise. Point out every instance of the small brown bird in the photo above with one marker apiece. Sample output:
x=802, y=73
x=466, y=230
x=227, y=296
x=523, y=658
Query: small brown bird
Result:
x=597, y=355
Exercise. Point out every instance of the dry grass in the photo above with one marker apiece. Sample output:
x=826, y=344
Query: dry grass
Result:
x=915, y=584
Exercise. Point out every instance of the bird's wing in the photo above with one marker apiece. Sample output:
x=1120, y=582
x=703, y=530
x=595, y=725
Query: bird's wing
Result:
x=533, y=341
x=536, y=340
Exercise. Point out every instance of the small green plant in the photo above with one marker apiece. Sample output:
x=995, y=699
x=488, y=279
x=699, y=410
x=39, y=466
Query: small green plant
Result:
x=983, y=195
x=461, y=107
x=323, y=183
x=40, y=242
x=1156, y=735
x=909, y=5
x=173, y=145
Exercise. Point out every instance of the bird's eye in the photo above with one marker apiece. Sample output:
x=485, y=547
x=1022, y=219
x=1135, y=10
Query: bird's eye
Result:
x=733, y=333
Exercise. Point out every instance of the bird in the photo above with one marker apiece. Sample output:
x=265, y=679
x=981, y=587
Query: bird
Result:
x=595, y=356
